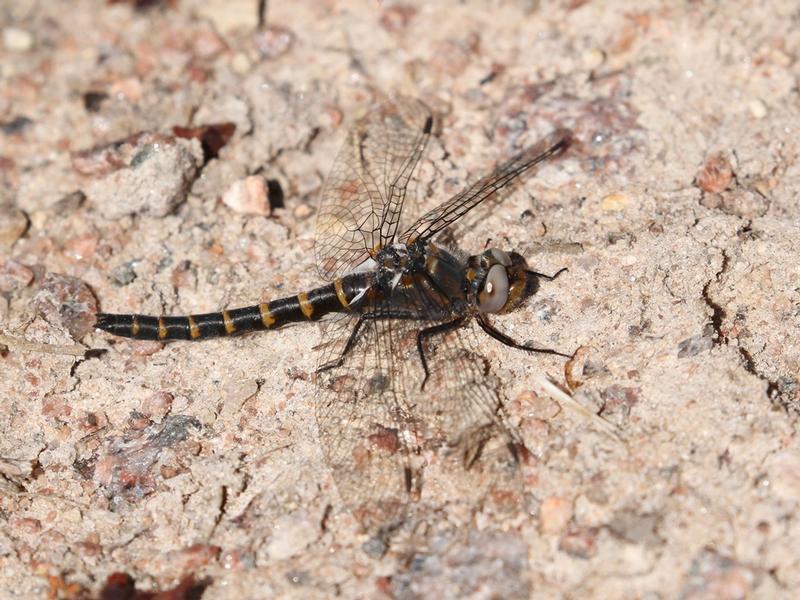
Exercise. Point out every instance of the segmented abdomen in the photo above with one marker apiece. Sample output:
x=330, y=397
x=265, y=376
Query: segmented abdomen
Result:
x=305, y=306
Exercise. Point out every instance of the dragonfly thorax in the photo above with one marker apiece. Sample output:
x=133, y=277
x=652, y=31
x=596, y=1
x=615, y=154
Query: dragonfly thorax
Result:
x=392, y=257
x=392, y=262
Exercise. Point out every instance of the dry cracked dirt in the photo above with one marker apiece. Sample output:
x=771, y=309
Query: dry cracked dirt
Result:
x=167, y=157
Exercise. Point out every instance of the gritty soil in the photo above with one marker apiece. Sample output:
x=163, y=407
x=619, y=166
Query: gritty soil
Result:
x=166, y=157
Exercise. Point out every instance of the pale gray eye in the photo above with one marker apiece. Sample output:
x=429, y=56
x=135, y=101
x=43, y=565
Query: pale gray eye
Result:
x=500, y=257
x=494, y=294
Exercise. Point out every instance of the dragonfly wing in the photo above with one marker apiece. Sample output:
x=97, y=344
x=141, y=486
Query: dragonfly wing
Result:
x=363, y=196
x=379, y=427
x=504, y=175
x=367, y=429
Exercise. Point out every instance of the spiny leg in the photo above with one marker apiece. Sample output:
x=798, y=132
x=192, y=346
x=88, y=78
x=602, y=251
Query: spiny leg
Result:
x=351, y=340
x=353, y=337
x=508, y=341
x=430, y=331
x=548, y=277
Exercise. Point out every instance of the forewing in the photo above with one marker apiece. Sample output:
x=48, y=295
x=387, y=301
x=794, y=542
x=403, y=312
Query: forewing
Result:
x=363, y=196
x=504, y=175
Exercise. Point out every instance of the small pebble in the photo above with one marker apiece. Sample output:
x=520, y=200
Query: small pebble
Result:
x=82, y=247
x=273, y=41
x=554, y=514
x=226, y=15
x=107, y=158
x=619, y=399
x=17, y=125
x=17, y=40
x=68, y=302
x=129, y=89
x=240, y=63
x=302, y=211
x=580, y=542
x=397, y=17
x=616, y=202
x=123, y=274
x=93, y=101
x=27, y=525
x=207, y=44
x=780, y=58
x=713, y=575
x=39, y=219
x=744, y=203
x=157, y=405
x=757, y=108
x=331, y=117
x=716, y=174
x=593, y=58
x=14, y=276
x=537, y=406
x=155, y=175
x=13, y=224
x=248, y=196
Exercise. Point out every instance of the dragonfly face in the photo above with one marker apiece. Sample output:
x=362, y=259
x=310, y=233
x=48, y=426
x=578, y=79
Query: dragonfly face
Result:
x=498, y=281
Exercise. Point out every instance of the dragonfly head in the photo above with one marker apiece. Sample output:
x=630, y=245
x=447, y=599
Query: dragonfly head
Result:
x=498, y=281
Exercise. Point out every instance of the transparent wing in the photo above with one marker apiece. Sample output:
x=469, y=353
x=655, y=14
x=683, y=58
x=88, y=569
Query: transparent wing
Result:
x=363, y=196
x=506, y=174
x=483, y=447
x=377, y=425
x=367, y=428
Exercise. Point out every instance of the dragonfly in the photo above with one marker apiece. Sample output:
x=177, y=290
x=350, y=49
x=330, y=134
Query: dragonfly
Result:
x=398, y=372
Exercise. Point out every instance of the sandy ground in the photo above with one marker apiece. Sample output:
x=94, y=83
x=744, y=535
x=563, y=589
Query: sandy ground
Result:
x=676, y=212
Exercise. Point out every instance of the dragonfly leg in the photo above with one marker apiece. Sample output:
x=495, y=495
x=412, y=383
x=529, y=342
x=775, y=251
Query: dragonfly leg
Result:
x=508, y=341
x=548, y=277
x=353, y=338
x=430, y=331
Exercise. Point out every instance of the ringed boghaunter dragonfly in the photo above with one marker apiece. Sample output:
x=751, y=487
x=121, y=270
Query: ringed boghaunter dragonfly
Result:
x=398, y=373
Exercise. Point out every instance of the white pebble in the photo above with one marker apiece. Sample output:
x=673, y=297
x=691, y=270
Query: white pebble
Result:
x=227, y=15
x=248, y=196
x=240, y=63
x=593, y=58
x=17, y=40
x=757, y=108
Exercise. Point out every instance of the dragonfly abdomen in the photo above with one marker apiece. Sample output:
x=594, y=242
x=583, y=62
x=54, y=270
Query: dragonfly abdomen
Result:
x=305, y=306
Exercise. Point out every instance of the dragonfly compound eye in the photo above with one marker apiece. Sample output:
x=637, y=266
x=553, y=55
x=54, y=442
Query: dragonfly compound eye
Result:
x=494, y=294
x=498, y=256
